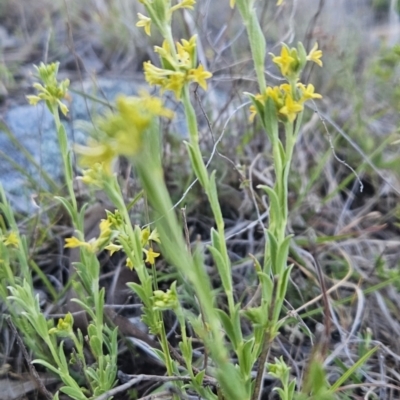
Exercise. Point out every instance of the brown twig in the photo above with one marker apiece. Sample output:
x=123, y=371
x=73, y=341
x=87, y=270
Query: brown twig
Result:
x=135, y=379
x=32, y=369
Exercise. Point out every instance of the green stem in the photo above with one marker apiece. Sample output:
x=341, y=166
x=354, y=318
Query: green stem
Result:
x=62, y=139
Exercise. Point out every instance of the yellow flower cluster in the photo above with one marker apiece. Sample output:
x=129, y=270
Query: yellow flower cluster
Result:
x=10, y=240
x=119, y=133
x=288, y=98
x=178, y=67
x=287, y=104
x=51, y=92
x=165, y=300
x=292, y=61
x=64, y=326
x=96, y=244
x=113, y=230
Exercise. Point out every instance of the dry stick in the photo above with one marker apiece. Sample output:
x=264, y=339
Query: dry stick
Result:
x=214, y=150
x=317, y=298
x=32, y=369
x=135, y=379
x=327, y=312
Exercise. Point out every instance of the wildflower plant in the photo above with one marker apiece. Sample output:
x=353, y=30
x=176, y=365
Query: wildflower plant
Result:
x=132, y=130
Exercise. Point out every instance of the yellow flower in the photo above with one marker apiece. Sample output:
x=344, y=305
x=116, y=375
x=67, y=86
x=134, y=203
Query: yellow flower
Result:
x=183, y=57
x=129, y=263
x=105, y=225
x=187, y=56
x=275, y=94
x=144, y=22
x=232, y=3
x=199, y=75
x=183, y=4
x=112, y=248
x=73, y=242
x=93, y=176
x=285, y=61
x=279, y=2
x=315, y=55
x=64, y=326
x=96, y=153
x=155, y=75
x=175, y=83
x=307, y=92
x=291, y=108
x=12, y=240
x=151, y=255
x=154, y=236
x=52, y=91
x=144, y=236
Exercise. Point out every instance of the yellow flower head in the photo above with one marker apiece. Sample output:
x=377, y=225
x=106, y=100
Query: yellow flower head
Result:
x=150, y=255
x=93, y=176
x=112, y=248
x=199, y=75
x=154, y=236
x=96, y=154
x=129, y=263
x=52, y=91
x=12, y=240
x=315, y=55
x=73, y=242
x=308, y=92
x=165, y=300
x=175, y=83
x=144, y=22
x=64, y=326
x=291, y=108
x=287, y=61
x=187, y=52
x=183, y=4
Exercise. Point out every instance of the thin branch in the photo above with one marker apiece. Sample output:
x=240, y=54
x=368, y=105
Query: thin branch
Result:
x=135, y=379
x=41, y=387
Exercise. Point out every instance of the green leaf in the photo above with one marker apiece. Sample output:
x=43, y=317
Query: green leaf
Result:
x=231, y=382
x=229, y=328
x=67, y=205
x=223, y=269
x=47, y=365
x=198, y=166
x=62, y=139
x=213, y=198
x=267, y=286
x=87, y=308
x=245, y=356
x=95, y=345
x=270, y=120
x=273, y=251
x=302, y=55
x=200, y=377
x=274, y=205
x=215, y=239
x=360, y=362
x=281, y=260
x=74, y=393
x=138, y=289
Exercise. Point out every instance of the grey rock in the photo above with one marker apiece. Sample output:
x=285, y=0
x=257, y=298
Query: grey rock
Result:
x=33, y=128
